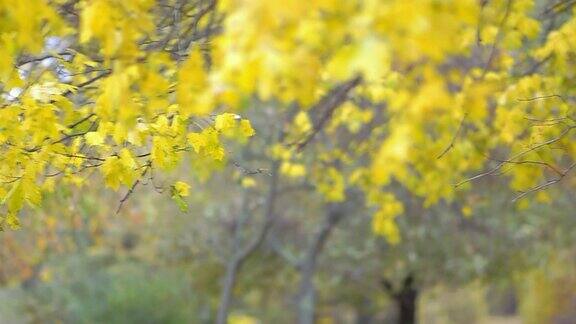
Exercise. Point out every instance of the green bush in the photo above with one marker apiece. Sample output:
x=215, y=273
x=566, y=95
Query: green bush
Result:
x=88, y=291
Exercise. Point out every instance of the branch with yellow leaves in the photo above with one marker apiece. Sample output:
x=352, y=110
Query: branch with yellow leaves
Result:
x=514, y=159
x=546, y=184
x=326, y=107
x=130, y=191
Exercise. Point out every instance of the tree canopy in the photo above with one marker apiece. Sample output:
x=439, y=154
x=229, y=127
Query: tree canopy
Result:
x=127, y=88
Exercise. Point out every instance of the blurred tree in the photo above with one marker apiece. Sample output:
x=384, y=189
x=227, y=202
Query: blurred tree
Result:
x=357, y=104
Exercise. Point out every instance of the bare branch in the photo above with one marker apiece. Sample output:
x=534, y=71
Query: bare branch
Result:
x=291, y=259
x=247, y=171
x=34, y=59
x=328, y=105
x=456, y=135
x=559, y=7
x=543, y=97
x=132, y=188
x=546, y=184
x=518, y=155
x=269, y=213
x=81, y=120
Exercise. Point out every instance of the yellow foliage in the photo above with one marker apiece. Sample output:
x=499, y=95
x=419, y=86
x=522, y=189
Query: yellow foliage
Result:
x=122, y=91
x=181, y=189
x=95, y=138
x=293, y=169
x=302, y=122
x=248, y=182
x=332, y=185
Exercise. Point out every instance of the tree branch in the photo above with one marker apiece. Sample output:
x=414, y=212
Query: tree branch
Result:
x=328, y=105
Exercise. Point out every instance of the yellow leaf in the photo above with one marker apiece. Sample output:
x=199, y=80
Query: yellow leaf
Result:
x=126, y=158
x=13, y=221
x=197, y=141
x=31, y=192
x=246, y=128
x=293, y=169
x=225, y=122
x=15, y=197
x=94, y=138
x=181, y=189
x=111, y=169
x=302, y=122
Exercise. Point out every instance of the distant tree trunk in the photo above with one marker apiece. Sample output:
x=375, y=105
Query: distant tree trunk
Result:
x=307, y=296
x=307, y=290
x=227, y=289
x=405, y=298
x=241, y=254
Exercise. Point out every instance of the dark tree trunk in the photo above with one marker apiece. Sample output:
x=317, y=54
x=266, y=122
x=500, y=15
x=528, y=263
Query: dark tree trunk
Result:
x=405, y=298
x=406, y=302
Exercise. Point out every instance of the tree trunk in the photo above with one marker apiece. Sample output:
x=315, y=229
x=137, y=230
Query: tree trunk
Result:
x=307, y=290
x=227, y=289
x=406, y=300
x=406, y=303
x=240, y=255
x=307, y=296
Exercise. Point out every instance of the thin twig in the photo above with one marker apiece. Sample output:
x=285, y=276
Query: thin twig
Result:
x=247, y=171
x=543, y=97
x=516, y=156
x=456, y=135
x=132, y=188
x=546, y=184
